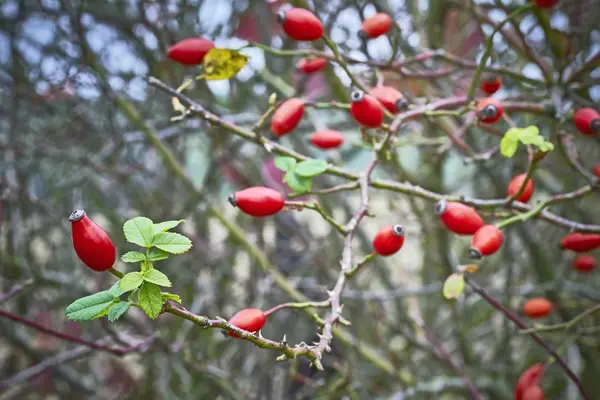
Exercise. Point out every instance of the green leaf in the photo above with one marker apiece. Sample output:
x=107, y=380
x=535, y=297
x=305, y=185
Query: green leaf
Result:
x=106, y=310
x=297, y=183
x=546, y=147
x=133, y=257
x=535, y=140
x=528, y=133
x=310, y=168
x=150, y=299
x=88, y=307
x=157, y=254
x=117, y=311
x=139, y=231
x=131, y=281
x=157, y=277
x=508, y=146
x=223, y=63
x=170, y=296
x=165, y=226
x=146, y=265
x=286, y=164
x=172, y=242
x=454, y=286
x=513, y=134
x=115, y=289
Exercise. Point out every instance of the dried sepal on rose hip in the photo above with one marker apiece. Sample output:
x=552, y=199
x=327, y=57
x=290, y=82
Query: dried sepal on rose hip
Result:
x=489, y=110
x=580, y=242
x=389, y=97
x=258, y=201
x=389, y=240
x=490, y=83
x=587, y=121
x=300, y=24
x=365, y=109
x=249, y=319
x=537, y=307
x=515, y=185
x=91, y=243
x=458, y=218
x=327, y=139
x=287, y=116
x=486, y=241
x=190, y=51
x=311, y=65
x=375, y=26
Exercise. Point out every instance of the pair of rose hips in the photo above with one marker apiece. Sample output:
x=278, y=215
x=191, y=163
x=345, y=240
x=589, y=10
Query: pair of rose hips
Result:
x=528, y=385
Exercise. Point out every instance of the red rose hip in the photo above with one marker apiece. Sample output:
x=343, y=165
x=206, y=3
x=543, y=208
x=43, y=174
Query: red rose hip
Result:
x=489, y=110
x=546, y=3
x=366, y=110
x=249, y=319
x=300, y=24
x=327, y=139
x=537, y=307
x=375, y=26
x=258, y=201
x=529, y=378
x=490, y=84
x=389, y=97
x=190, y=51
x=580, y=242
x=459, y=218
x=533, y=393
x=389, y=240
x=596, y=170
x=92, y=245
x=587, y=121
x=310, y=65
x=486, y=241
x=515, y=185
x=287, y=116
x=584, y=263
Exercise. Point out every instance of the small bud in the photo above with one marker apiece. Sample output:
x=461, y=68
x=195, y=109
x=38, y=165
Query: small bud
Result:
x=273, y=99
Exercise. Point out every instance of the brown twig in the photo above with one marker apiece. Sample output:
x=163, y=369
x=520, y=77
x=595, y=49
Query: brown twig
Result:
x=15, y=290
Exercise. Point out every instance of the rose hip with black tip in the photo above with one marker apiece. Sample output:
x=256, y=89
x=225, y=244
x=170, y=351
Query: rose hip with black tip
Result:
x=91, y=243
x=389, y=240
x=258, y=201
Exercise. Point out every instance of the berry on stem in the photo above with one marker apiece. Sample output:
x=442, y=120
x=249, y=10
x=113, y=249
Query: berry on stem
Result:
x=310, y=65
x=366, y=110
x=375, y=26
x=92, y=245
x=287, y=116
x=546, y=3
x=190, y=51
x=459, y=218
x=489, y=110
x=584, y=263
x=389, y=97
x=300, y=24
x=515, y=185
x=580, y=242
x=389, y=240
x=487, y=240
x=258, y=201
x=327, y=139
x=587, y=121
x=529, y=378
x=537, y=307
x=491, y=83
x=249, y=319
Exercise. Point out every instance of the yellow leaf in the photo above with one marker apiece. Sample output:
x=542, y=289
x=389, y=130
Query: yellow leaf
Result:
x=454, y=286
x=223, y=64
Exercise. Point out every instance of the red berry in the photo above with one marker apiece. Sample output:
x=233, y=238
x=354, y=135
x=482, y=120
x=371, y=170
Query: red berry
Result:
x=190, y=51
x=366, y=110
x=459, y=218
x=490, y=84
x=258, y=201
x=584, y=263
x=390, y=98
x=487, y=240
x=287, y=116
x=587, y=121
x=327, y=139
x=389, y=240
x=596, y=170
x=377, y=25
x=489, y=110
x=537, y=307
x=249, y=319
x=515, y=185
x=300, y=24
x=530, y=377
x=580, y=242
x=533, y=393
x=546, y=3
x=92, y=245
x=310, y=65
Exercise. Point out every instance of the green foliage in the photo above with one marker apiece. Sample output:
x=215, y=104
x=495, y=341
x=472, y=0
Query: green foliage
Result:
x=139, y=230
x=310, y=168
x=156, y=277
x=117, y=311
x=170, y=296
x=173, y=243
x=530, y=135
x=133, y=257
x=150, y=299
x=88, y=307
x=131, y=281
x=454, y=286
x=299, y=175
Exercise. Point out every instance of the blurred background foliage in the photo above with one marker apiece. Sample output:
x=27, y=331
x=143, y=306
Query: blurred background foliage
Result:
x=77, y=122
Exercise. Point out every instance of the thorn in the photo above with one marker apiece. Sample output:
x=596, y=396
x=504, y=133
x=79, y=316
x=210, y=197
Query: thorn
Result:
x=281, y=358
x=284, y=340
